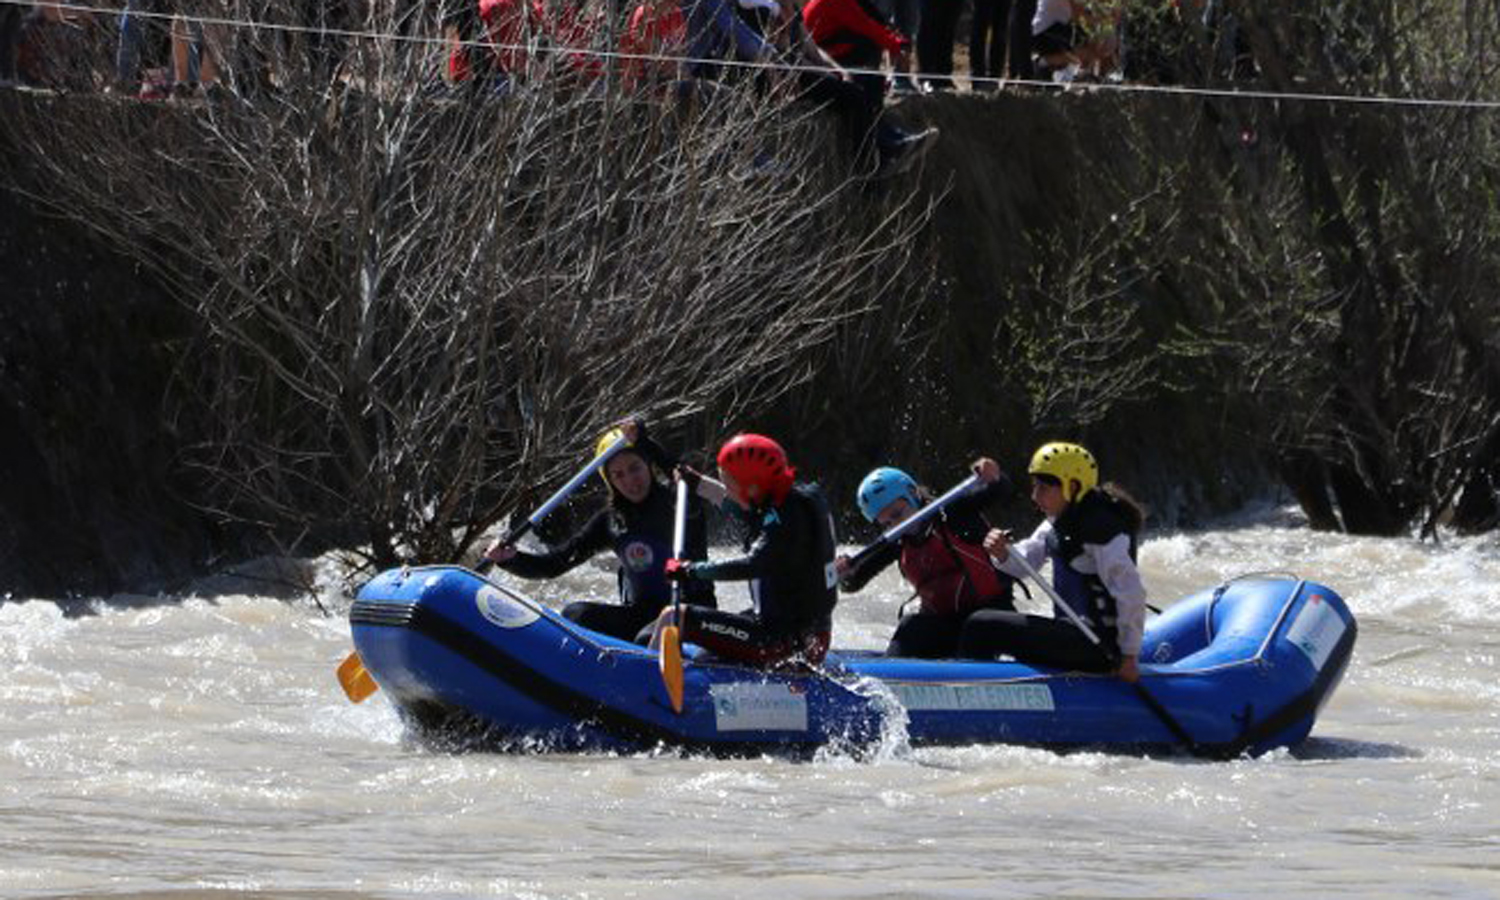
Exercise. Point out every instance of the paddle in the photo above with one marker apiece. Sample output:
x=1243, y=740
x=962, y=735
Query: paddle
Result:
x=355, y=678
x=514, y=534
x=671, y=638
x=357, y=681
x=1151, y=702
x=921, y=515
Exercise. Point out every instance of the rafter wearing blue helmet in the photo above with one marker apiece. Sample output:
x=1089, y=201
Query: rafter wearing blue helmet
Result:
x=885, y=486
x=942, y=560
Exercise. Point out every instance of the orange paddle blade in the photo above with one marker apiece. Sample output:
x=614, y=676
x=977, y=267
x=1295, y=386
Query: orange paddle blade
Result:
x=355, y=679
x=671, y=665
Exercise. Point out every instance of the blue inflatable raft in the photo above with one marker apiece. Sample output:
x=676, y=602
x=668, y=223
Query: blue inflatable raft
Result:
x=1238, y=669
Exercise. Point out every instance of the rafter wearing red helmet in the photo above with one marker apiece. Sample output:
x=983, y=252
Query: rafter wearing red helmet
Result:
x=788, y=561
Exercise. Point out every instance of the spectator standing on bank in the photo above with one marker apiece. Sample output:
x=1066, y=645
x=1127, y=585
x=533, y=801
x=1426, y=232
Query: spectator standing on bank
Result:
x=10, y=43
x=1018, y=30
x=128, y=50
x=857, y=36
x=935, y=39
x=987, y=43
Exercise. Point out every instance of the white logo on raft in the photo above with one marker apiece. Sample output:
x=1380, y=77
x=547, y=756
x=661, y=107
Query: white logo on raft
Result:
x=758, y=707
x=1316, y=631
x=729, y=630
x=500, y=609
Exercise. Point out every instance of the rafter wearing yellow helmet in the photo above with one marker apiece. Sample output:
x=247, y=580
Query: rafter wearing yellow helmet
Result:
x=607, y=440
x=1069, y=464
x=1089, y=537
x=637, y=524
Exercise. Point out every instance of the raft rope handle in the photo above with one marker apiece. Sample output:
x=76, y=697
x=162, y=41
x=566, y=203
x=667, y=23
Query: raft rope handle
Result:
x=1208, y=614
x=1260, y=573
x=1286, y=608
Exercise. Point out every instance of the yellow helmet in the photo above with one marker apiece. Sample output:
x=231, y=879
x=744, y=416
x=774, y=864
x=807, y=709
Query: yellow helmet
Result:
x=607, y=440
x=1066, y=462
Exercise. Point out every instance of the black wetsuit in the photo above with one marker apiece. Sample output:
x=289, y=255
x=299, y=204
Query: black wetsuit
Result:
x=954, y=549
x=789, y=563
x=640, y=534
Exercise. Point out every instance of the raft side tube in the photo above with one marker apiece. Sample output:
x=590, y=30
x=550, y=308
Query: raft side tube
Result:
x=1242, y=668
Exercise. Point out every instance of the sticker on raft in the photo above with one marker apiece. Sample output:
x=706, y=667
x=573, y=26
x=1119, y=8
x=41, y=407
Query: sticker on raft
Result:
x=974, y=697
x=1317, y=630
x=507, y=612
x=758, y=707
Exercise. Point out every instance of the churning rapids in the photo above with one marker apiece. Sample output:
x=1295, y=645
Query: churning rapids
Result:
x=202, y=747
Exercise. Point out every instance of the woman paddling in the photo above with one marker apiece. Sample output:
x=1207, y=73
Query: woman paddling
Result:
x=944, y=561
x=1090, y=535
x=788, y=561
x=637, y=525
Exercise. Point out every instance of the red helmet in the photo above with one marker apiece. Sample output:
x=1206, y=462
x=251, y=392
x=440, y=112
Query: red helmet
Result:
x=756, y=461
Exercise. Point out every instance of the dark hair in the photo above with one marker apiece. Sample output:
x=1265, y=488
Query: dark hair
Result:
x=1133, y=509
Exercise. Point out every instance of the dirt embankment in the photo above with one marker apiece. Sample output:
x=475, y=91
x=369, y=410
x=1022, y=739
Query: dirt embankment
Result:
x=90, y=500
x=92, y=497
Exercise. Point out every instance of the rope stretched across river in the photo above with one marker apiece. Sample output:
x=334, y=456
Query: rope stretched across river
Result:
x=448, y=43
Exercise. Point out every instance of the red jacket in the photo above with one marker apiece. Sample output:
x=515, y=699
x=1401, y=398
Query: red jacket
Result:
x=519, y=26
x=573, y=29
x=513, y=25
x=838, y=25
x=652, y=32
x=951, y=575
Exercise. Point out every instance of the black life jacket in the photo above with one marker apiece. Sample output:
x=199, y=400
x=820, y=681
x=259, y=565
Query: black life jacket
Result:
x=1096, y=519
x=641, y=536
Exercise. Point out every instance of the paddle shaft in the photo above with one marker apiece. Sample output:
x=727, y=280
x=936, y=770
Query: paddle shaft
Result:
x=1057, y=599
x=566, y=490
x=922, y=515
x=542, y=512
x=1151, y=702
x=669, y=658
x=679, y=540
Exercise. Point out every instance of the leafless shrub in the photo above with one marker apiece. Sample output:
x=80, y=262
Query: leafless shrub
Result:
x=415, y=304
x=1078, y=346
x=1402, y=252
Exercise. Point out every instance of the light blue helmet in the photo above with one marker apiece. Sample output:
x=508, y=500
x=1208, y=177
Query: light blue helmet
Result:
x=884, y=486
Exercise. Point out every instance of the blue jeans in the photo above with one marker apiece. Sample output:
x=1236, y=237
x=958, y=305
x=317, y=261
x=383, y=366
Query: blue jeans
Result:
x=132, y=35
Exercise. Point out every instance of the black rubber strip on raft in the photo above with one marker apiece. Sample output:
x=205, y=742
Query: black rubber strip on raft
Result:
x=580, y=707
x=1305, y=704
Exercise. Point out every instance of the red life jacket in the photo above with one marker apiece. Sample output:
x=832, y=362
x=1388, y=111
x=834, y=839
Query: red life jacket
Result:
x=950, y=574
